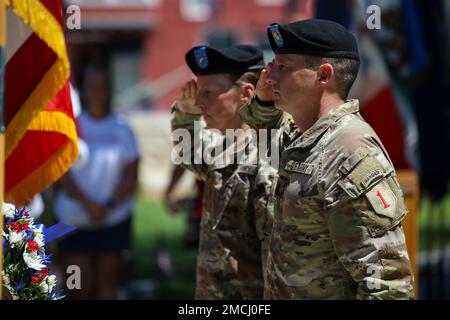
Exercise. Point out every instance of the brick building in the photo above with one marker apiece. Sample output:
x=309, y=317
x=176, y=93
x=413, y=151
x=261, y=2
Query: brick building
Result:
x=144, y=41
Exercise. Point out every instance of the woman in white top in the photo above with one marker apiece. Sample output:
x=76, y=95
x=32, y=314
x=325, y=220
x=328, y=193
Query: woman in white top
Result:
x=97, y=196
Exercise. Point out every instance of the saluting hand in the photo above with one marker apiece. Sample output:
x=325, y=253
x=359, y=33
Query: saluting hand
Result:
x=264, y=90
x=186, y=98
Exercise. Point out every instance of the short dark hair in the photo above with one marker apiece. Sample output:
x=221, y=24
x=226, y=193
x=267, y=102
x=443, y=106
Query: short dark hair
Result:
x=247, y=77
x=345, y=70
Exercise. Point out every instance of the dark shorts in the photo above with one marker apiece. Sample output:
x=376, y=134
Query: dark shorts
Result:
x=111, y=239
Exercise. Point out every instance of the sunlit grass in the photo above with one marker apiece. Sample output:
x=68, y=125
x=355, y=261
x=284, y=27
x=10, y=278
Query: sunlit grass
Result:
x=155, y=230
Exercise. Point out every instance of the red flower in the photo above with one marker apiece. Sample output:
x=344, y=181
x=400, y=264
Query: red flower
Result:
x=19, y=226
x=43, y=273
x=34, y=279
x=24, y=225
x=32, y=245
x=15, y=226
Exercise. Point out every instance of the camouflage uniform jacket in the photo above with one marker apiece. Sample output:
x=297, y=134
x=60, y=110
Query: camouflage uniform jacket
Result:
x=337, y=223
x=236, y=221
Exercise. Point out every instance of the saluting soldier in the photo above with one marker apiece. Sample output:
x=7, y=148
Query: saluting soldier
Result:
x=237, y=215
x=337, y=225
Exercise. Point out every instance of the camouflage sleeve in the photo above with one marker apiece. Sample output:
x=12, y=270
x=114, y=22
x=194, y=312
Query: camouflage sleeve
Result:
x=263, y=204
x=259, y=116
x=365, y=210
x=190, y=129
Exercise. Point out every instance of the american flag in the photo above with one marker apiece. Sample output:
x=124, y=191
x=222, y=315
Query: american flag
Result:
x=41, y=139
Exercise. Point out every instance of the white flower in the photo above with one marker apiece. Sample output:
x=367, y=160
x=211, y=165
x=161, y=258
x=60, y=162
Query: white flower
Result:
x=39, y=238
x=15, y=237
x=51, y=280
x=5, y=278
x=43, y=286
x=33, y=260
x=37, y=229
x=9, y=210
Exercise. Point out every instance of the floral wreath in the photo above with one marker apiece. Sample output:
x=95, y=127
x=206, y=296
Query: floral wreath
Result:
x=25, y=267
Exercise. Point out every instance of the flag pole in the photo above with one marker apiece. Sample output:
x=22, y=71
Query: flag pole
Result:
x=2, y=128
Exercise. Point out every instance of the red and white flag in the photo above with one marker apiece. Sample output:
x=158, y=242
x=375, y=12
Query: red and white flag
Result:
x=41, y=139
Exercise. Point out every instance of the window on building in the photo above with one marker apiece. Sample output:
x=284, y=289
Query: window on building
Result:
x=263, y=42
x=196, y=10
x=125, y=68
x=271, y=2
x=112, y=3
x=221, y=38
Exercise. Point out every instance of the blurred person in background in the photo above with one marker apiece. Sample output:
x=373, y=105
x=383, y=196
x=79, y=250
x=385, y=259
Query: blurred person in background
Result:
x=192, y=206
x=97, y=195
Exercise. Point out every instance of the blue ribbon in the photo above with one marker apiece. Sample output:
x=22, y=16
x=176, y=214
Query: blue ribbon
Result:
x=56, y=231
x=51, y=233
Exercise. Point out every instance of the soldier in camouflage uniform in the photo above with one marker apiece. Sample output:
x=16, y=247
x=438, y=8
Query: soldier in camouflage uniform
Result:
x=237, y=217
x=337, y=230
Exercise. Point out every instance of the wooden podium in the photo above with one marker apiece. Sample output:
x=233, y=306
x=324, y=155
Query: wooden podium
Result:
x=409, y=182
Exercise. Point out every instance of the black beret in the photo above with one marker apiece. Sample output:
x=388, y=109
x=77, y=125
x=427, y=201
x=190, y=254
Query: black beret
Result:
x=204, y=60
x=314, y=37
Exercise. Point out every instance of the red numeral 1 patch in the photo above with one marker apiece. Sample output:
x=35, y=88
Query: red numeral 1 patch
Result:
x=379, y=195
x=382, y=199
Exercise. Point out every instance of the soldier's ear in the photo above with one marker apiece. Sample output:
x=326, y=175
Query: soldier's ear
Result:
x=247, y=91
x=324, y=73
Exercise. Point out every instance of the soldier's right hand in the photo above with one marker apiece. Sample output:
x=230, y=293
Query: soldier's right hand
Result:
x=186, y=99
x=264, y=90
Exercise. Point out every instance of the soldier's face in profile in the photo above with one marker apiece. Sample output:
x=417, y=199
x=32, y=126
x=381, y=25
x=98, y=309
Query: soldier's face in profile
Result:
x=218, y=100
x=294, y=85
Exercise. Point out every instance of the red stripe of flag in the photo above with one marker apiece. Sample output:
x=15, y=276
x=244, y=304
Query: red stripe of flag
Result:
x=61, y=102
x=28, y=159
x=24, y=71
x=54, y=7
